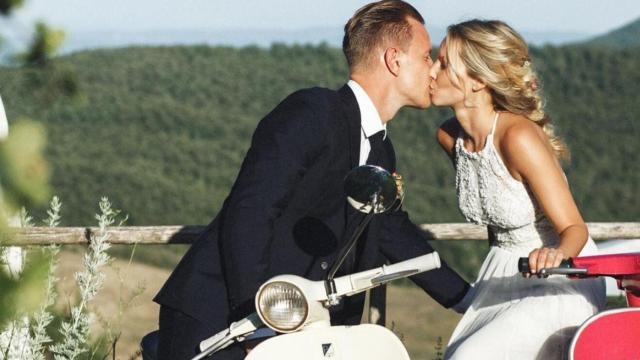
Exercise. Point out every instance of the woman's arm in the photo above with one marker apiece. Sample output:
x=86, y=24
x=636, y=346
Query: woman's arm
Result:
x=529, y=157
x=447, y=134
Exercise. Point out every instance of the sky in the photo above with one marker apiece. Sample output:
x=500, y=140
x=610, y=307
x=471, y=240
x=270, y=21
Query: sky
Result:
x=578, y=16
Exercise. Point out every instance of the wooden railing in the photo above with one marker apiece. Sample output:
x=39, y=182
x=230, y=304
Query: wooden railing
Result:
x=187, y=234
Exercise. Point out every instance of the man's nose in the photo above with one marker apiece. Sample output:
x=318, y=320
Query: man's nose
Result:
x=433, y=72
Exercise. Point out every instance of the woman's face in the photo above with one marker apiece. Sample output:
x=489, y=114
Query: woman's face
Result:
x=442, y=90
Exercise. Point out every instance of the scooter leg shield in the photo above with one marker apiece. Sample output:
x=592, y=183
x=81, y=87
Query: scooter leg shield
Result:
x=370, y=342
x=612, y=334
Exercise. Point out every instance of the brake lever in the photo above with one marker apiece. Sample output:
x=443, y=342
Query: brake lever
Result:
x=561, y=271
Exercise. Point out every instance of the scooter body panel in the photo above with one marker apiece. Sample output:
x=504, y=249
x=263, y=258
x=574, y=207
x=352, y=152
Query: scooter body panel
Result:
x=612, y=334
x=370, y=342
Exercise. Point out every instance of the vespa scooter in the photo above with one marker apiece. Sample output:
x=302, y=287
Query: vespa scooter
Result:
x=298, y=308
x=610, y=334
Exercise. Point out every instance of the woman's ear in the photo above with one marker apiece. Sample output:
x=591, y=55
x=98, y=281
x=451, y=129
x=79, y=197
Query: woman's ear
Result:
x=477, y=84
x=392, y=60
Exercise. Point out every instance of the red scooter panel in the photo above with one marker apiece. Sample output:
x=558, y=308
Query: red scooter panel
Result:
x=614, y=265
x=613, y=334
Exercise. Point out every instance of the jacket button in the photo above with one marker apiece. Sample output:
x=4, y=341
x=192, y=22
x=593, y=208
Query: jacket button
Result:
x=324, y=265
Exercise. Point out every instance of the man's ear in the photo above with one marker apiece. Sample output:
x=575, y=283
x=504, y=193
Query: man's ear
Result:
x=392, y=60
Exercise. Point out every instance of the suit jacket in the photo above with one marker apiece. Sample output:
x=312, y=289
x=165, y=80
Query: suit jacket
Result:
x=287, y=213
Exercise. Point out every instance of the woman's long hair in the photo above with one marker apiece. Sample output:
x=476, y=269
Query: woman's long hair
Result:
x=496, y=54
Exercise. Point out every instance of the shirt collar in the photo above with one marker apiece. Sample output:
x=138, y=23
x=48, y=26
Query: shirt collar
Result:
x=369, y=118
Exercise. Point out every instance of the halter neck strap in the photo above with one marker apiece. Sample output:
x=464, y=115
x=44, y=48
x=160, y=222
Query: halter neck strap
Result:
x=495, y=121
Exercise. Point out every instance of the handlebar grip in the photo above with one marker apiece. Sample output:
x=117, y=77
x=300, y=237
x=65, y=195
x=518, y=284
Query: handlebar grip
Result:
x=523, y=264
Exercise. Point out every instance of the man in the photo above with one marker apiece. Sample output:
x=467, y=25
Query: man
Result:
x=287, y=212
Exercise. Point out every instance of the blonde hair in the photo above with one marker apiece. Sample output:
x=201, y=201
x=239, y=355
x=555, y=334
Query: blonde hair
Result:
x=496, y=54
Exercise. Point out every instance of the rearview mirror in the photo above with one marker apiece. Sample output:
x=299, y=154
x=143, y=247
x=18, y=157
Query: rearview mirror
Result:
x=371, y=187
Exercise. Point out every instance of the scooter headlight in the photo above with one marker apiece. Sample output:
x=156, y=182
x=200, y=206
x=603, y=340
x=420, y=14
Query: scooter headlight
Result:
x=282, y=306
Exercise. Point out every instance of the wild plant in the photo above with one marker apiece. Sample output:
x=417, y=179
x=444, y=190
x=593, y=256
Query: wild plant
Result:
x=26, y=337
x=75, y=332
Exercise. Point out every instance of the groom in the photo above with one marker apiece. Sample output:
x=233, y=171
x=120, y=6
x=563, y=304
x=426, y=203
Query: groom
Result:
x=287, y=212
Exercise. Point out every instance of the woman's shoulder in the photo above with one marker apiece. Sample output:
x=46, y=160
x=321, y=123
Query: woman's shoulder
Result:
x=447, y=134
x=520, y=140
x=518, y=133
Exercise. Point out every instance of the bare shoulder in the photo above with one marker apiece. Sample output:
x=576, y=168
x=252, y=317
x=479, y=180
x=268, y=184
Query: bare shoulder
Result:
x=522, y=143
x=516, y=133
x=447, y=134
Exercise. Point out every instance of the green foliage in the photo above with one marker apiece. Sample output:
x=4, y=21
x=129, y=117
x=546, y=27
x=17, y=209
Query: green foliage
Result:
x=23, y=179
x=25, y=294
x=24, y=171
x=163, y=130
x=44, y=45
x=6, y=6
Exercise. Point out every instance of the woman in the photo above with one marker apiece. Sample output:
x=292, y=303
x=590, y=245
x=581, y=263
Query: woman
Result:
x=508, y=177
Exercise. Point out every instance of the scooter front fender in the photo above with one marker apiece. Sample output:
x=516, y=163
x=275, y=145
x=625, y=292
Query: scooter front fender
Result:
x=366, y=342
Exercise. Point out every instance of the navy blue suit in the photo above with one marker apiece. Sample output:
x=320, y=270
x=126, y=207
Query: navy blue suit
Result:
x=287, y=213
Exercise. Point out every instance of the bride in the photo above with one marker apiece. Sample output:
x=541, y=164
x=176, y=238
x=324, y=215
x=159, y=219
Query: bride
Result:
x=508, y=177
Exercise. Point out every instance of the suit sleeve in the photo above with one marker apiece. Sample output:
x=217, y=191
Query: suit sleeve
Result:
x=400, y=240
x=284, y=144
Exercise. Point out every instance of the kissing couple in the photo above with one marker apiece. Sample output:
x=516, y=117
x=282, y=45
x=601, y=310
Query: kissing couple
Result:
x=287, y=212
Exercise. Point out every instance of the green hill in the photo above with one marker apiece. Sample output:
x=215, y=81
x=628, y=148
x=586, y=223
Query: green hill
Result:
x=162, y=131
x=626, y=36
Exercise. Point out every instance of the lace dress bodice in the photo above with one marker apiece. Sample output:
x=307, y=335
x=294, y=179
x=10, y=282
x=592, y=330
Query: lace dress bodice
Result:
x=489, y=195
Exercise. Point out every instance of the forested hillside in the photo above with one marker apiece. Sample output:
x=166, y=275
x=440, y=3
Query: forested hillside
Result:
x=162, y=131
x=626, y=36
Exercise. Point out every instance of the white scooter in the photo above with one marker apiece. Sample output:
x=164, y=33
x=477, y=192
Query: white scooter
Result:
x=298, y=308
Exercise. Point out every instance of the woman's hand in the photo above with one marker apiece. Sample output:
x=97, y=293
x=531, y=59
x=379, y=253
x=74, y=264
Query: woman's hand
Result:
x=545, y=257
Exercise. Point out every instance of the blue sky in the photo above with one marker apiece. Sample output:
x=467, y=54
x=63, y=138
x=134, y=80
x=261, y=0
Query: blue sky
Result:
x=581, y=16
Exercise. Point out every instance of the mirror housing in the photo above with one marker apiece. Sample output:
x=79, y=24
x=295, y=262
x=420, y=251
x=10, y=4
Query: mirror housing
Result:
x=370, y=187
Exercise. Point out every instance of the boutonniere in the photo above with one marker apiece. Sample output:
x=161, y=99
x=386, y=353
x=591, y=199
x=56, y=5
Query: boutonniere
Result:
x=399, y=186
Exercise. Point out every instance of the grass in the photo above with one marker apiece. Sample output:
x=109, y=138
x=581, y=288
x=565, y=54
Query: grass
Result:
x=422, y=324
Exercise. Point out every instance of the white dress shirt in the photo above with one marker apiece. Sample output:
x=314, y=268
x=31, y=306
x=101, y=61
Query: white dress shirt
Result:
x=370, y=121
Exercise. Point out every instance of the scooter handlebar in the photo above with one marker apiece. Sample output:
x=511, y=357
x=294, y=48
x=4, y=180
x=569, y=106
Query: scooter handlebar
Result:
x=356, y=283
x=420, y=264
x=523, y=264
x=566, y=267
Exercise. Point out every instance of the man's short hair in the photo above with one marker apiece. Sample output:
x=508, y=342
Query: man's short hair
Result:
x=377, y=24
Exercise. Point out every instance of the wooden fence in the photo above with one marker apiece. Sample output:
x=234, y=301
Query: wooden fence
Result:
x=187, y=234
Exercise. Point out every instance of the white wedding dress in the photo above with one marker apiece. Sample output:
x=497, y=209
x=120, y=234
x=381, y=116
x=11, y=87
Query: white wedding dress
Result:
x=512, y=317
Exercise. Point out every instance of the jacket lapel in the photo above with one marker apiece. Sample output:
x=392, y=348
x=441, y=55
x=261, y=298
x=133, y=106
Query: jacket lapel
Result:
x=351, y=112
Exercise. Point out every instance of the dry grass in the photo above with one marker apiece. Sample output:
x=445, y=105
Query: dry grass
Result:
x=422, y=324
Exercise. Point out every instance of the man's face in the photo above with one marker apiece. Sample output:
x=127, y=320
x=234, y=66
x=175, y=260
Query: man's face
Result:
x=413, y=78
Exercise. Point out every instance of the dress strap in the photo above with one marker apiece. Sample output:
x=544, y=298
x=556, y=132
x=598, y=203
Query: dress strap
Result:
x=495, y=121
